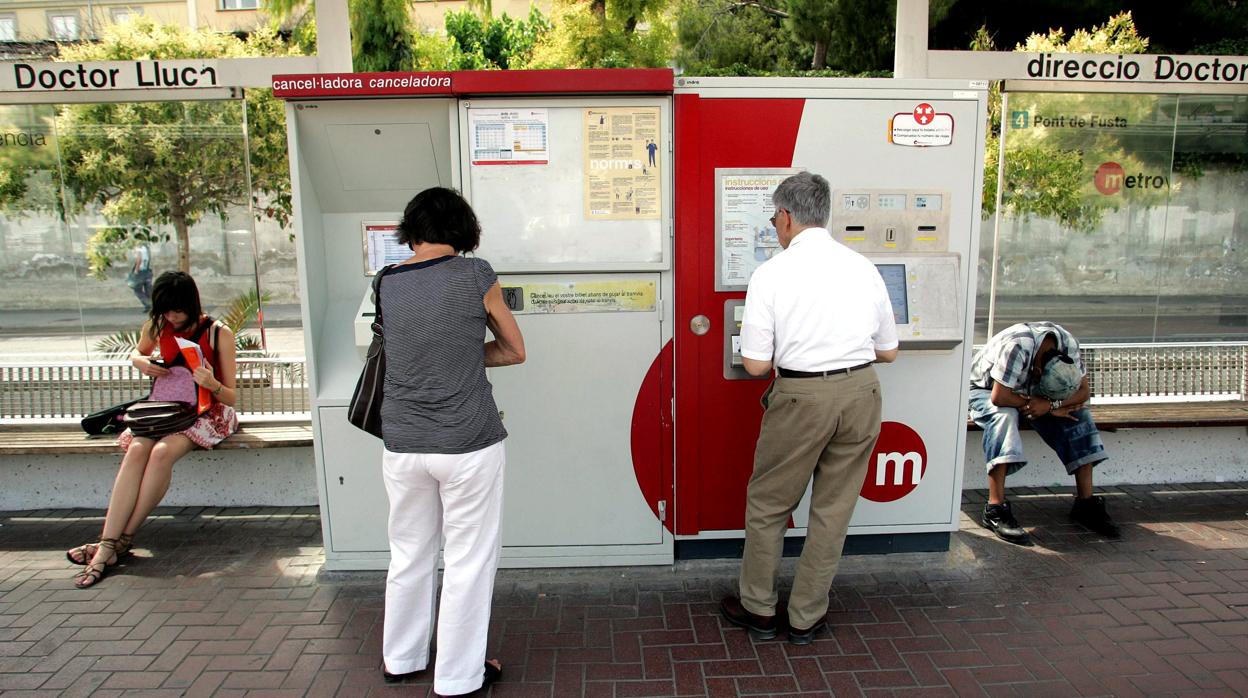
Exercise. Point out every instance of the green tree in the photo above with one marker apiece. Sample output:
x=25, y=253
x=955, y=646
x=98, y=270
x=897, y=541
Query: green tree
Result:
x=607, y=34
x=746, y=36
x=173, y=162
x=382, y=36
x=851, y=35
x=487, y=42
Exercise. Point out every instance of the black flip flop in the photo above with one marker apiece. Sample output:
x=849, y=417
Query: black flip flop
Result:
x=492, y=674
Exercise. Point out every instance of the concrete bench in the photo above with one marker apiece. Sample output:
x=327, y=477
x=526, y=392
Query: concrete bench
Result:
x=1164, y=415
x=47, y=439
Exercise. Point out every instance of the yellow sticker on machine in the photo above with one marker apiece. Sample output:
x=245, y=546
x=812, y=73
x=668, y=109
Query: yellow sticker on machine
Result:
x=635, y=296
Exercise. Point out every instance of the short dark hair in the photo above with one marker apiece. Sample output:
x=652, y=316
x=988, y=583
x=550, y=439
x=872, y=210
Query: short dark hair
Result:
x=174, y=290
x=442, y=217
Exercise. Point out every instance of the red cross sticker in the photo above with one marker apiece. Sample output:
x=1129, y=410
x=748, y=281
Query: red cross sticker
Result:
x=924, y=113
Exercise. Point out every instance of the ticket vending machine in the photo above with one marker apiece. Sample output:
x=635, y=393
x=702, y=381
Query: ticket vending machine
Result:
x=570, y=175
x=904, y=162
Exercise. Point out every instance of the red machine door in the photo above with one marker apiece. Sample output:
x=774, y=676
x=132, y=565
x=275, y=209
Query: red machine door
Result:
x=717, y=420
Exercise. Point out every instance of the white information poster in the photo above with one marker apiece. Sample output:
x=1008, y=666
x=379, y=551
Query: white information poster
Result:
x=509, y=136
x=381, y=246
x=746, y=235
x=922, y=127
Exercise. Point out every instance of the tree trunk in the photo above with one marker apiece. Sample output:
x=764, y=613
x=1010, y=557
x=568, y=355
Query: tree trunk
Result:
x=184, y=242
x=821, y=56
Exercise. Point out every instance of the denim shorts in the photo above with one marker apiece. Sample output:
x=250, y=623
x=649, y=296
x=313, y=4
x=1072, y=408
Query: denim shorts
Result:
x=1077, y=443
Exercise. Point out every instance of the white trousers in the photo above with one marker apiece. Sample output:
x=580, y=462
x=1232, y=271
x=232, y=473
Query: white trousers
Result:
x=459, y=497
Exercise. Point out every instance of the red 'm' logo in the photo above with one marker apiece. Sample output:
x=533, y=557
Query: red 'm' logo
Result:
x=897, y=464
x=1109, y=177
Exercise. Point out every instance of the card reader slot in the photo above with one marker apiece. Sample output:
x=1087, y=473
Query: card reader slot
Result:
x=855, y=228
x=927, y=228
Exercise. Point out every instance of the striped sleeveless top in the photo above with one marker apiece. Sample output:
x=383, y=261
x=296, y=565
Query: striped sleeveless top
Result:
x=437, y=399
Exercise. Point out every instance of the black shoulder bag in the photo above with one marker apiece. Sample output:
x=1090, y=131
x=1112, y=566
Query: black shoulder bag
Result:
x=365, y=409
x=156, y=419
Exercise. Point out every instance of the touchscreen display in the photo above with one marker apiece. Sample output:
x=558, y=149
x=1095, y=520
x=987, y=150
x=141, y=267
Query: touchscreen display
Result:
x=895, y=281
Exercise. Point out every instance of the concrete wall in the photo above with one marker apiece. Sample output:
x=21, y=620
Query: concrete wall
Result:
x=234, y=477
x=1136, y=457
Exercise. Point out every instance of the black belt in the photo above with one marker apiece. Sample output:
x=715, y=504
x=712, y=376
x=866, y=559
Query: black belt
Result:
x=789, y=373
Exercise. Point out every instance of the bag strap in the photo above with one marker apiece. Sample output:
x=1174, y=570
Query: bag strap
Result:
x=216, y=334
x=377, y=294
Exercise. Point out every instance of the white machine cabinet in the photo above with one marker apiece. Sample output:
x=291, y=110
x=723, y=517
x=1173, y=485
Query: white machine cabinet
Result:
x=570, y=175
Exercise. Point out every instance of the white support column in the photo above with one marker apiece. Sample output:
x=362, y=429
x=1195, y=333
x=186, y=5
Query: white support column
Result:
x=192, y=15
x=333, y=36
x=910, y=49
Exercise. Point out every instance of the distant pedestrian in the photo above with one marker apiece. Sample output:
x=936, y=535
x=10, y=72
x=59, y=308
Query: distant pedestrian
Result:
x=139, y=277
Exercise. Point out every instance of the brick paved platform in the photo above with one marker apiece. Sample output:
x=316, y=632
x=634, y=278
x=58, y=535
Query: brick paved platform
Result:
x=228, y=602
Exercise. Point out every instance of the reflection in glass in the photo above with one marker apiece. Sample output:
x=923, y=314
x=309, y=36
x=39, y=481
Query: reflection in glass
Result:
x=92, y=195
x=1122, y=217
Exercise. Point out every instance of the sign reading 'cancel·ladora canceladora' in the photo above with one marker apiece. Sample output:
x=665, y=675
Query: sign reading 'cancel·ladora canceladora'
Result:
x=110, y=75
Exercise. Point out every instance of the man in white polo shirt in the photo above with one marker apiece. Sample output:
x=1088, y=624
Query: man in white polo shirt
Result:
x=819, y=313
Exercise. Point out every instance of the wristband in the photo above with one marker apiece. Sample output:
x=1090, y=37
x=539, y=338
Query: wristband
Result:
x=220, y=387
x=1054, y=404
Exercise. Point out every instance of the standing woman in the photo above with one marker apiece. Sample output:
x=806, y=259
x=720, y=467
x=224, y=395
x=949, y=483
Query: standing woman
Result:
x=443, y=461
x=147, y=466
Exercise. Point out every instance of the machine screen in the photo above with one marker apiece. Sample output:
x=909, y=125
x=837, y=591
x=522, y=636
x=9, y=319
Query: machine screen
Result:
x=381, y=246
x=928, y=202
x=895, y=281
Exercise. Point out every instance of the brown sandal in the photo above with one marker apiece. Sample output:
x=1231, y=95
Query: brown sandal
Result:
x=83, y=554
x=93, y=572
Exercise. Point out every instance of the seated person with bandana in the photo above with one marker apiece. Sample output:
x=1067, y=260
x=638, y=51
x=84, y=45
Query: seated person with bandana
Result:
x=1033, y=371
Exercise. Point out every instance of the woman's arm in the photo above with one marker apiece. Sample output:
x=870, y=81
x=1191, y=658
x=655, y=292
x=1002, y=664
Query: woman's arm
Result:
x=507, y=349
x=221, y=382
x=140, y=359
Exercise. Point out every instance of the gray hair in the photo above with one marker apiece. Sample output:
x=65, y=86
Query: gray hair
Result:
x=807, y=197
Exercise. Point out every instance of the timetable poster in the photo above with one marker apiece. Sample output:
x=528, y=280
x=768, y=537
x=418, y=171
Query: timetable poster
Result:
x=509, y=136
x=381, y=246
x=622, y=163
x=747, y=237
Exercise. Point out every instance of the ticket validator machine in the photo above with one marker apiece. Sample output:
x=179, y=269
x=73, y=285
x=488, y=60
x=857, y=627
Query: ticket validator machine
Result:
x=570, y=174
x=903, y=159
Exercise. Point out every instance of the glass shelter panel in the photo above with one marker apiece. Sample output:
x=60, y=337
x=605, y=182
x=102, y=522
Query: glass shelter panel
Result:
x=1122, y=217
x=96, y=200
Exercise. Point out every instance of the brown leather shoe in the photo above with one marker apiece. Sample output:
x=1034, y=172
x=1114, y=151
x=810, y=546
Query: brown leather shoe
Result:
x=759, y=627
x=798, y=636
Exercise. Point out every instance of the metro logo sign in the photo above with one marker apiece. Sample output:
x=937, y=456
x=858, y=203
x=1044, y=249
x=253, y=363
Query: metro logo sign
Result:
x=896, y=465
x=1109, y=177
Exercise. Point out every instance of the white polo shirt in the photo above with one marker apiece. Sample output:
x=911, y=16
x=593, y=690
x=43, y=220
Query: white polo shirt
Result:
x=817, y=306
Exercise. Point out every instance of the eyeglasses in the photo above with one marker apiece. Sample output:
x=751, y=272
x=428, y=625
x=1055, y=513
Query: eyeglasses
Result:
x=773, y=216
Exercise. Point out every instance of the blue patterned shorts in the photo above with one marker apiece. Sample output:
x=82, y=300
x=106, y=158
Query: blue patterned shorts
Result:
x=1076, y=443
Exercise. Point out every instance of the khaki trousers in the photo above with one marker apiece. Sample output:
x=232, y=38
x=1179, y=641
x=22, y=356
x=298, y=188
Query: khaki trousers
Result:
x=823, y=428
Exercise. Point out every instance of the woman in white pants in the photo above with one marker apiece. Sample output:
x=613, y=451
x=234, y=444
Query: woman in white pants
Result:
x=443, y=463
